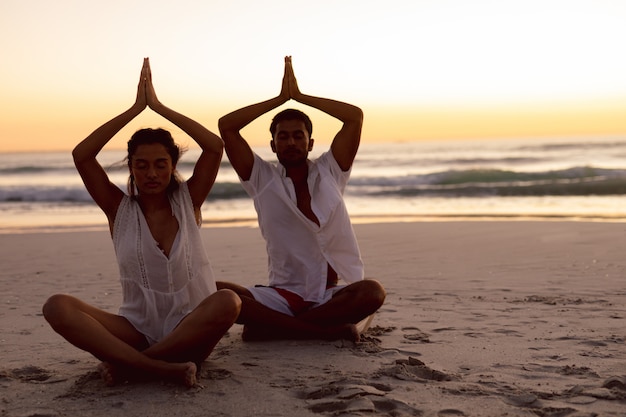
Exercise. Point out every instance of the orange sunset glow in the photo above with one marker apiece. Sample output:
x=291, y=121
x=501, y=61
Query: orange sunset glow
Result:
x=419, y=69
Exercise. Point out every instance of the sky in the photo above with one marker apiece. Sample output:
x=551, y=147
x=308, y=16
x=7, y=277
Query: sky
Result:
x=419, y=69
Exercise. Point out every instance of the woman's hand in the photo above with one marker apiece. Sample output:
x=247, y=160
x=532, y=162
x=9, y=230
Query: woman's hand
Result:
x=151, y=97
x=141, y=101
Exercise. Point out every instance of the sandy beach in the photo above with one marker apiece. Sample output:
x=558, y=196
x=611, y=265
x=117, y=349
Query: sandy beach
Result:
x=482, y=318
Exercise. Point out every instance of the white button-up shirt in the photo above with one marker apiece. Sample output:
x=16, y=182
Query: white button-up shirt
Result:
x=298, y=249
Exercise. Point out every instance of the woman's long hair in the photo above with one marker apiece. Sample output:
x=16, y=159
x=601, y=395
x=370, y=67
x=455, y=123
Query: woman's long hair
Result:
x=149, y=136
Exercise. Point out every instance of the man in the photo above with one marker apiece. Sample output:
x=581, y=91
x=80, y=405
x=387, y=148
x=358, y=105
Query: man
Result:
x=303, y=219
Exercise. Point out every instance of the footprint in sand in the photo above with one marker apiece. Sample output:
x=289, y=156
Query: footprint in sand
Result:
x=348, y=396
x=415, y=335
x=370, y=344
x=615, y=382
x=32, y=374
x=215, y=373
x=413, y=369
x=361, y=397
x=379, y=330
x=449, y=412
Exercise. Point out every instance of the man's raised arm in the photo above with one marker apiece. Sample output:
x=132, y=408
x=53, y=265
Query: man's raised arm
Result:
x=346, y=142
x=238, y=150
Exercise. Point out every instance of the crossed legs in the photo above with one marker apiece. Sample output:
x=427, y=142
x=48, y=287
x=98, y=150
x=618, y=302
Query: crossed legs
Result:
x=114, y=341
x=333, y=320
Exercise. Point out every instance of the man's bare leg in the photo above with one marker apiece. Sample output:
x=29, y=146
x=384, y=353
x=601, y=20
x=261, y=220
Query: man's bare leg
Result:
x=351, y=304
x=261, y=322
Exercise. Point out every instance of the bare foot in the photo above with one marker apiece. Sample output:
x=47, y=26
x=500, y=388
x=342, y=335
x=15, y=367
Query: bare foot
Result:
x=364, y=324
x=112, y=375
x=184, y=373
x=189, y=375
x=355, y=335
x=248, y=334
x=107, y=373
x=346, y=331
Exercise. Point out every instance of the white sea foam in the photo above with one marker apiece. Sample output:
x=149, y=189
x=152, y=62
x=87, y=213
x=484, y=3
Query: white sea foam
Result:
x=505, y=178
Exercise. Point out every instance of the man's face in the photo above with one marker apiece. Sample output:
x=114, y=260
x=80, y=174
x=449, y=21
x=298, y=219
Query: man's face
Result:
x=291, y=143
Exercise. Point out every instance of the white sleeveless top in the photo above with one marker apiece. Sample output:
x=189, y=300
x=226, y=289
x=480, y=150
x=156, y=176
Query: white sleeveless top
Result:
x=159, y=291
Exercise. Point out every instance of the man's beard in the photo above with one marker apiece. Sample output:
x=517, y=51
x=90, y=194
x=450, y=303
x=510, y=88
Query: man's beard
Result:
x=293, y=160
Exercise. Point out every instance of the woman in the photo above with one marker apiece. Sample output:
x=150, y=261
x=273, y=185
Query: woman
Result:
x=171, y=316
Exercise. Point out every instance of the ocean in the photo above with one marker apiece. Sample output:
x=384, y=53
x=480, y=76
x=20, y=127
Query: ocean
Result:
x=572, y=178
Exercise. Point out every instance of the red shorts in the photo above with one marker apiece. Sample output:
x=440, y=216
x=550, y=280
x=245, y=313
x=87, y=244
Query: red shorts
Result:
x=296, y=303
x=287, y=302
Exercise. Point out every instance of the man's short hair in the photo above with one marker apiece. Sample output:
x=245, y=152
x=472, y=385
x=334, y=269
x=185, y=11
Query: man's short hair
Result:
x=291, y=114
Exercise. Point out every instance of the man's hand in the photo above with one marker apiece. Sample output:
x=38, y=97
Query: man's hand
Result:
x=294, y=91
x=284, y=90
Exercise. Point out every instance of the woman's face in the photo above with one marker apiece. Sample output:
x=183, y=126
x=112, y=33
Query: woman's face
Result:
x=152, y=168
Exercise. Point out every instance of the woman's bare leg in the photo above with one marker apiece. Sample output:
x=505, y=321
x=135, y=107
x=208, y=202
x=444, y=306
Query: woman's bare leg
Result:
x=110, y=338
x=198, y=333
